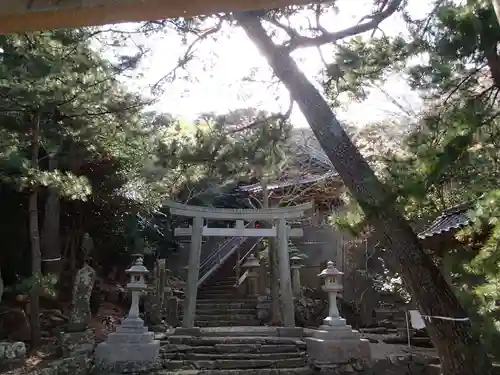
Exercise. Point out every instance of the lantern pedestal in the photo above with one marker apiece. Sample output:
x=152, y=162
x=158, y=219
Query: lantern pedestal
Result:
x=131, y=348
x=335, y=348
x=335, y=344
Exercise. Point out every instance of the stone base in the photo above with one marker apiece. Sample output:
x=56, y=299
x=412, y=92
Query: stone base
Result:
x=336, y=344
x=130, y=349
x=73, y=343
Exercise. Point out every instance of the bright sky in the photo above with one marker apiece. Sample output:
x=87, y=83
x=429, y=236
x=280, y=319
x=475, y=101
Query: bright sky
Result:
x=217, y=78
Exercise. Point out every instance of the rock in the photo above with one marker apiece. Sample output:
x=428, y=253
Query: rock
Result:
x=310, y=312
x=14, y=325
x=12, y=353
x=75, y=343
x=77, y=365
x=12, y=350
x=82, y=291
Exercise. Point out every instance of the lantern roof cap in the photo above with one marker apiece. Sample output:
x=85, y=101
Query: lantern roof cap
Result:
x=138, y=267
x=251, y=262
x=330, y=270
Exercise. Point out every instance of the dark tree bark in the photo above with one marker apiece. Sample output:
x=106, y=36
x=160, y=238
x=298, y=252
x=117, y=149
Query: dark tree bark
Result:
x=460, y=351
x=51, y=240
x=36, y=257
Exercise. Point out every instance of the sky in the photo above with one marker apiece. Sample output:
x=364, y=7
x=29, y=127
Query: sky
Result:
x=217, y=82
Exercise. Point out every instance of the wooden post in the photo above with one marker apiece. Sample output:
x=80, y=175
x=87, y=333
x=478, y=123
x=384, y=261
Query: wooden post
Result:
x=193, y=273
x=288, y=312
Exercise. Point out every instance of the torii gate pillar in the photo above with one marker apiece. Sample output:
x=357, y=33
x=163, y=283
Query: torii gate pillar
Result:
x=193, y=273
x=288, y=312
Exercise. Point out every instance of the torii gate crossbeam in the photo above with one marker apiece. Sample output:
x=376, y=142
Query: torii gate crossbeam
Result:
x=31, y=15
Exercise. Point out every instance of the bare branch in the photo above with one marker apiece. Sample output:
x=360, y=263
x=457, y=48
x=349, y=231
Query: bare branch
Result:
x=292, y=33
x=188, y=55
x=369, y=23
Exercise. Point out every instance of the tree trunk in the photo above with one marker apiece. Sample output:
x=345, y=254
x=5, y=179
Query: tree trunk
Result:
x=1, y=285
x=274, y=286
x=36, y=258
x=460, y=351
x=496, y=6
x=51, y=241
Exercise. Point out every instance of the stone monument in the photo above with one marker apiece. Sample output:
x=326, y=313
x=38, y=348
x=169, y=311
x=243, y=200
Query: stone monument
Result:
x=131, y=349
x=335, y=345
x=77, y=337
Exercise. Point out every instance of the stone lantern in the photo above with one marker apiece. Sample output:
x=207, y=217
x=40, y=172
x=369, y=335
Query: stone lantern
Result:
x=251, y=265
x=131, y=347
x=137, y=285
x=332, y=286
x=296, y=265
x=334, y=344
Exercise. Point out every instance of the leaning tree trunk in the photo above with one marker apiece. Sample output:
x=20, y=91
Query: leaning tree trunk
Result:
x=460, y=351
x=51, y=241
x=36, y=258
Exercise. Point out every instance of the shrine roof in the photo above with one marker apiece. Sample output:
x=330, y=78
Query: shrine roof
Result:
x=255, y=188
x=308, y=157
x=452, y=219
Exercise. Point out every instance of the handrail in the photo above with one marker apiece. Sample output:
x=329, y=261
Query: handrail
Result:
x=242, y=279
x=220, y=246
x=242, y=259
x=219, y=256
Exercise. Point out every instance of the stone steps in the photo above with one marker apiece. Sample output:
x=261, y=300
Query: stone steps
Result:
x=203, y=310
x=236, y=315
x=245, y=356
x=224, y=304
x=241, y=348
x=234, y=364
x=227, y=323
x=225, y=308
x=224, y=286
x=219, y=296
x=216, y=340
x=219, y=304
x=211, y=354
x=269, y=371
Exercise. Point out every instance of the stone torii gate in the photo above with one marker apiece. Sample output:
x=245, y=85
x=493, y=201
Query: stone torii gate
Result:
x=198, y=230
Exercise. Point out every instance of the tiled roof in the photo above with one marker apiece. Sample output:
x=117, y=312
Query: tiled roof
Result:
x=310, y=179
x=308, y=155
x=454, y=218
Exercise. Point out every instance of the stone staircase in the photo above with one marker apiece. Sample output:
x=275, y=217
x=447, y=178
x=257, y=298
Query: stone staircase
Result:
x=234, y=351
x=219, y=304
